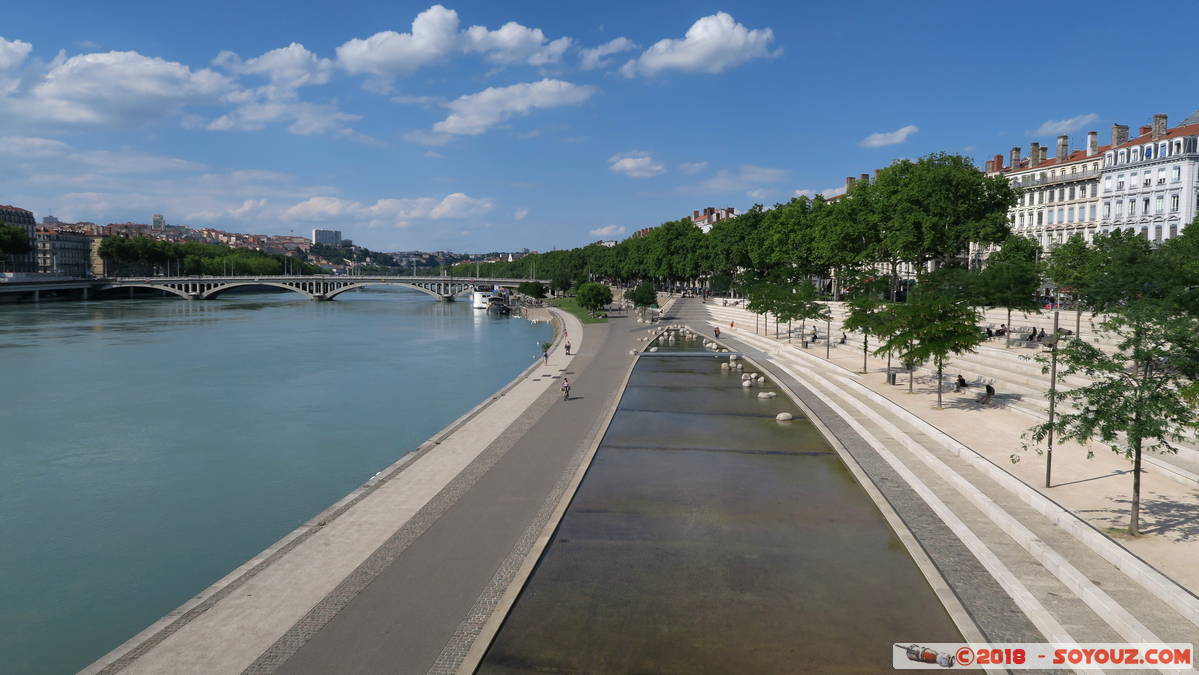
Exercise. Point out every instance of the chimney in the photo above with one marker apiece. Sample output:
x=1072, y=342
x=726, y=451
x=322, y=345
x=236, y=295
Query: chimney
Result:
x=997, y=163
x=1145, y=128
x=1034, y=154
x=989, y=167
x=1044, y=154
x=848, y=183
x=1159, y=125
x=1092, y=142
x=696, y=216
x=1119, y=134
x=865, y=178
x=1015, y=157
x=876, y=174
x=1063, y=148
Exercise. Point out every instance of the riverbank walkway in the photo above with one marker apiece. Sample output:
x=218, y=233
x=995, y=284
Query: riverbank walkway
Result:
x=405, y=574
x=1052, y=552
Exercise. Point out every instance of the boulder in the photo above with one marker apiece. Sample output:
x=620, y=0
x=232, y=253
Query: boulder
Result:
x=766, y=394
x=747, y=383
x=784, y=417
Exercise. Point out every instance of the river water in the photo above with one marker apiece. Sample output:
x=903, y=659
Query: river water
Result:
x=148, y=447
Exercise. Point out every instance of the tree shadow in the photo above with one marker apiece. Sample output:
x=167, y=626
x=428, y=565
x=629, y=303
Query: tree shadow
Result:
x=1160, y=515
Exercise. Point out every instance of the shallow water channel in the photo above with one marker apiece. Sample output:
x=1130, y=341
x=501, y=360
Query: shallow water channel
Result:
x=708, y=537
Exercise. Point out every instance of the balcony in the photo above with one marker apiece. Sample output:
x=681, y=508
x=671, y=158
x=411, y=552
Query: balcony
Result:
x=1062, y=178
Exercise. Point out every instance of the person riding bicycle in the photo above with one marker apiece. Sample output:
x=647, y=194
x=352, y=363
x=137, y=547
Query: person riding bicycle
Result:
x=565, y=389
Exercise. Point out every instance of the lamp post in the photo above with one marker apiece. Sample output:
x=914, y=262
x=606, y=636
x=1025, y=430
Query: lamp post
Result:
x=1052, y=390
x=828, y=337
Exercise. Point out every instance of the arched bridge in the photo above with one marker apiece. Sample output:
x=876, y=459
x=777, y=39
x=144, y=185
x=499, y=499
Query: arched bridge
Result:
x=315, y=287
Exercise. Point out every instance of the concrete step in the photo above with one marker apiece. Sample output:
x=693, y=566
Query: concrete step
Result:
x=1019, y=385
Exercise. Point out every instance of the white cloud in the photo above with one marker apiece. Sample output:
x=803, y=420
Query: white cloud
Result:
x=473, y=114
x=520, y=214
x=1059, y=127
x=288, y=68
x=13, y=53
x=759, y=194
x=304, y=118
x=692, y=168
x=435, y=36
x=827, y=193
x=116, y=89
x=434, y=155
x=514, y=43
x=635, y=164
x=388, y=54
x=595, y=57
x=746, y=177
x=102, y=161
x=884, y=138
x=394, y=212
x=713, y=44
x=608, y=231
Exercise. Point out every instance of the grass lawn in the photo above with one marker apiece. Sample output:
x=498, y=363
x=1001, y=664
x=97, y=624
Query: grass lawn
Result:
x=571, y=305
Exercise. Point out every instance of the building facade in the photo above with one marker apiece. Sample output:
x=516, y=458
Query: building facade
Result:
x=1059, y=195
x=705, y=219
x=63, y=253
x=26, y=262
x=1151, y=182
x=327, y=237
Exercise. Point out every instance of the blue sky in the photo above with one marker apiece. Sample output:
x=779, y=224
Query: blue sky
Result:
x=486, y=126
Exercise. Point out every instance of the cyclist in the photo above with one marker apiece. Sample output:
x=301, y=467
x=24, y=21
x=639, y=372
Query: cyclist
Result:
x=565, y=389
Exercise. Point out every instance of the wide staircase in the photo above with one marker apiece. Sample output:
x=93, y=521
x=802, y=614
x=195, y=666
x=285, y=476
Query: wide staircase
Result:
x=1073, y=583
x=1020, y=382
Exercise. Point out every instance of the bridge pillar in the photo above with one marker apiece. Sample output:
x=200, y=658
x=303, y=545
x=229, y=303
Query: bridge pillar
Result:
x=37, y=296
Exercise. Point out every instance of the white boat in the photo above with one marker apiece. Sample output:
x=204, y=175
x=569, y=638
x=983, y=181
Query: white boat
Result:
x=483, y=299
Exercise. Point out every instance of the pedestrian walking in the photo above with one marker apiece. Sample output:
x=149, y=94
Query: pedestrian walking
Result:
x=717, y=331
x=568, y=347
x=545, y=356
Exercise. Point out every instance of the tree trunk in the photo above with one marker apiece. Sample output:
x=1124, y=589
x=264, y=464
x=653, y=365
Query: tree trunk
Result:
x=865, y=348
x=940, y=368
x=1134, y=518
x=911, y=377
x=1007, y=335
x=1077, y=321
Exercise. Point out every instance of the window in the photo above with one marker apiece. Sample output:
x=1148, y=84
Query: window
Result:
x=1051, y=193
x=1173, y=230
x=1123, y=156
x=1021, y=220
x=1095, y=189
x=1157, y=234
x=1071, y=192
x=1147, y=179
x=1092, y=212
x=1107, y=183
x=1040, y=217
x=1174, y=202
x=1161, y=150
x=1107, y=210
x=1070, y=215
x=1119, y=182
x=1061, y=194
x=1132, y=208
x=1050, y=216
x=1176, y=174
x=1041, y=197
x=1148, y=152
x=1061, y=215
x=1159, y=204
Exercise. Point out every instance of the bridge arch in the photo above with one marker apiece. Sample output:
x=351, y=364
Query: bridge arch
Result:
x=156, y=287
x=455, y=290
x=213, y=292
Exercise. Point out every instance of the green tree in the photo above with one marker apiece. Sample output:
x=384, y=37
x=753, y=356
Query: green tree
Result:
x=1011, y=278
x=937, y=320
x=561, y=281
x=593, y=296
x=1139, y=395
x=643, y=295
x=533, y=289
x=866, y=311
x=1068, y=266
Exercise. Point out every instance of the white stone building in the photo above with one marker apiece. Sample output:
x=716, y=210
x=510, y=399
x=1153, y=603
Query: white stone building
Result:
x=1059, y=195
x=1151, y=182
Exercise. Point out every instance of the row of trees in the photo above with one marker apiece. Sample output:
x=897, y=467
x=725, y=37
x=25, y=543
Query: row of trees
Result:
x=924, y=215
x=14, y=241
x=912, y=212
x=145, y=256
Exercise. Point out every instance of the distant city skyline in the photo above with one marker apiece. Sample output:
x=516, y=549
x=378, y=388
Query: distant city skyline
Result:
x=478, y=127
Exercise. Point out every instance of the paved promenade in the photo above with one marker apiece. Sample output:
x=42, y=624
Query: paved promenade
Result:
x=403, y=575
